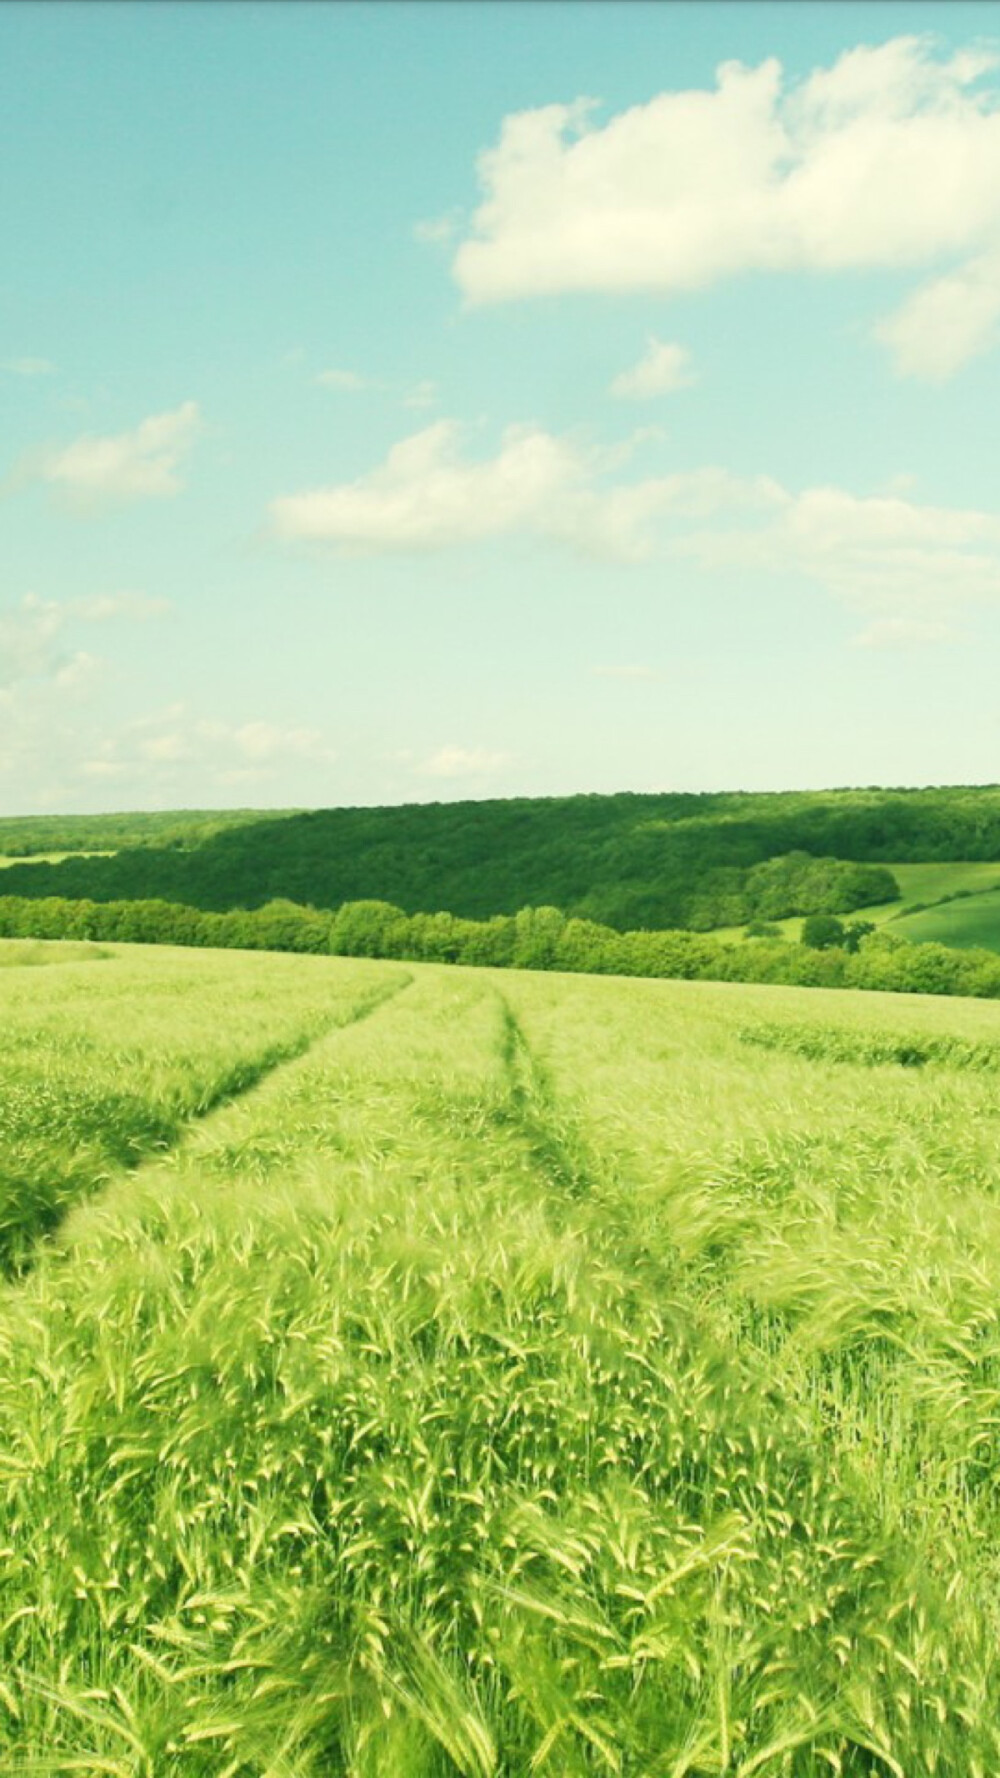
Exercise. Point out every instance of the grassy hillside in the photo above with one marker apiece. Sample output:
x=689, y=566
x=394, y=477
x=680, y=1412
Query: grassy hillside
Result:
x=932, y=882
x=539, y=1375
x=972, y=921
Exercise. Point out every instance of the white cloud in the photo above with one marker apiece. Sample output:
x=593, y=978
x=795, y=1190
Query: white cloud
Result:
x=891, y=157
x=438, y=230
x=137, y=465
x=946, y=322
x=663, y=367
x=174, y=748
x=28, y=367
x=885, y=553
x=427, y=496
x=463, y=762
x=33, y=635
x=29, y=640
x=342, y=379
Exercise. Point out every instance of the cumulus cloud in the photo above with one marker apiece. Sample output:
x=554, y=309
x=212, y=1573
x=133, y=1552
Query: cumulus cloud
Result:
x=342, y=379
x=422, y=394
x=886, y=553
x=888, y=556
x=663, y=367
x=425, y=496
x=172, y=747
x=463, y=762
x=891, y=157
x=946, y=322
x=138, y=465
x=428, y=496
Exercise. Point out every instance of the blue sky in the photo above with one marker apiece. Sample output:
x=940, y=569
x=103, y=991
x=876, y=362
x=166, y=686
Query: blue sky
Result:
x=418, y=401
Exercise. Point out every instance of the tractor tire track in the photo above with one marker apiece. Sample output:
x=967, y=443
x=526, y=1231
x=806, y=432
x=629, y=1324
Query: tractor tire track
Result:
x=23, y=1240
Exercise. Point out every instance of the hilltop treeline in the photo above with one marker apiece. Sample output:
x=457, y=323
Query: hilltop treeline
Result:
x=28, y=836
x=624, y=861
x=534, y=938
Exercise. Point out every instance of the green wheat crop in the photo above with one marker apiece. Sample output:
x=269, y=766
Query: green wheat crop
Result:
x=538, y=1375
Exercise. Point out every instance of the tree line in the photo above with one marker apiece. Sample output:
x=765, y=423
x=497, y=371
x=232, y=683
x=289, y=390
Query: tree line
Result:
x=533, y=938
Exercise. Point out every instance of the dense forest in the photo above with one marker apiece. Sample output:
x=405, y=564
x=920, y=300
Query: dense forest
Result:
x=627, y=861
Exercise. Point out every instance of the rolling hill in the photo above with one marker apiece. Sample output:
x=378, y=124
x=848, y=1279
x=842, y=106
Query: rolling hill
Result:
x=701, y=862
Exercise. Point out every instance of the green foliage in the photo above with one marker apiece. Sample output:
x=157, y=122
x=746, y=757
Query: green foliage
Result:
x=821, y=931
x=533, y=1377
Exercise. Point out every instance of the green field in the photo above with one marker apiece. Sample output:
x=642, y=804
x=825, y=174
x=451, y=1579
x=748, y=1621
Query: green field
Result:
x=970, y=921
x=435, y=1371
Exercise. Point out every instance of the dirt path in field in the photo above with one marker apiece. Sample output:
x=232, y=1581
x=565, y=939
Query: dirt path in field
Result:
x=247, y=1078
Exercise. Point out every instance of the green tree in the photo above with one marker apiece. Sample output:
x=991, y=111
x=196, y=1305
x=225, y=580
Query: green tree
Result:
x=820, y=932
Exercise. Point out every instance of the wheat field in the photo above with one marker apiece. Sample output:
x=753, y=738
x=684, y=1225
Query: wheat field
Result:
x=408, y=1371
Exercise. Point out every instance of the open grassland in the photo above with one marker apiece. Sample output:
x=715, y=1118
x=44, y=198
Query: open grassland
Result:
x=538, y=1375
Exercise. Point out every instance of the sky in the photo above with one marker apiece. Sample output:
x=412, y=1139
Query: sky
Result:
x=409, y=402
